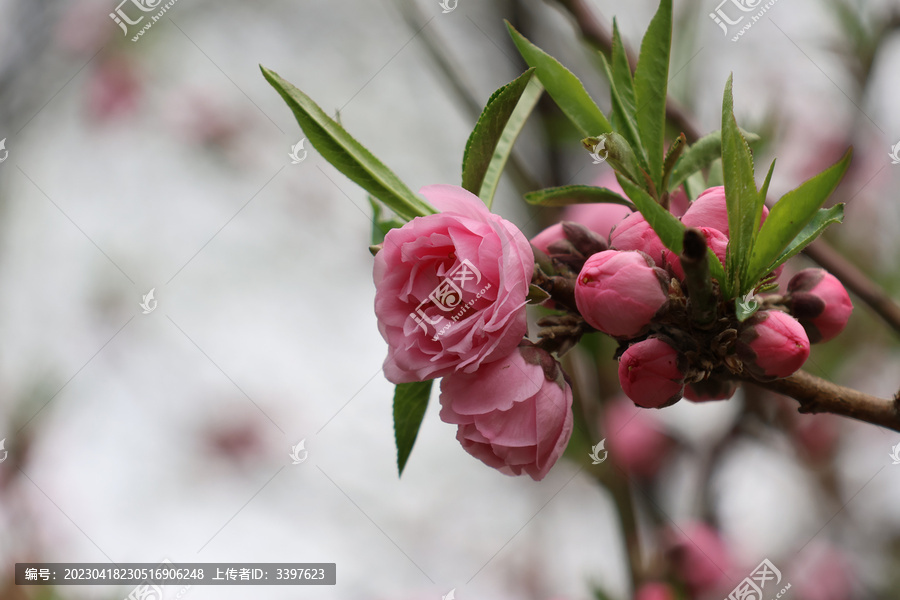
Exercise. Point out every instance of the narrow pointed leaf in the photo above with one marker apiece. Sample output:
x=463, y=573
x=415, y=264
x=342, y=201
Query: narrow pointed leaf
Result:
x=741, y=194
x=672, y=155
x=790, y=215
x=651, y=79
x=621, y=70
x=339, y=148
x=815, y=228
x=615, y=150
x=410, y=402
x=700, y=155
x=491, y=142
x=575, y=194
x=563, y=86
x=623, y=119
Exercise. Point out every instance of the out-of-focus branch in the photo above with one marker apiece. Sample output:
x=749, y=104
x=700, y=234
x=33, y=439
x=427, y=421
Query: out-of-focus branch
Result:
x=817, y=395
x=856, y=281
x=596, y=33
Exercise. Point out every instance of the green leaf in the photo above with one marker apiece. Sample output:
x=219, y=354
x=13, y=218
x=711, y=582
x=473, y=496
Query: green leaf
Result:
x=815, y=228
x=717, y=270
x=745, y=306
x=623, y=117
x=741, y=195
x=701, y=155
x=790, y=216
x=410, y=402
x=491, y=142
x=347, y=155
x=566, y=90
x=383, y=220
x=536, y=294
x=651, y=79
x=615, y=149
x=666, y=225
x=575, y=194
x=672, y=156
x=621, y=70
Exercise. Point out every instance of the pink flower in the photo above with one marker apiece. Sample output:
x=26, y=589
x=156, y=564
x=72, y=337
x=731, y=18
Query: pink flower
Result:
x=699, y=556
x=513, y=414
x=715, y=239
x=818, y=300
x=548, y=236
x=655, y=591
x=822, y=572
x=772, y=344
x=634, y=439
x=711, y=210
x=620, y=292
x=114, y=88
x=451, y=288
x=650, y=373
x=635, y=233
x=678, y=202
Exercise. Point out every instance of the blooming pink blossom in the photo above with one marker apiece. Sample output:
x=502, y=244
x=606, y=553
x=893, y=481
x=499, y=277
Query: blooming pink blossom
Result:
x=819, y=301
x=650, y=373
x=451, y=288
x=620, y=292
x=514, y=414
x=635, y=233
x=772, y=344
x=635, y=440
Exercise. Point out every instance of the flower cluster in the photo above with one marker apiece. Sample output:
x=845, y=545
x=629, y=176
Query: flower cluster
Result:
x=451, y=294
x=637, y=291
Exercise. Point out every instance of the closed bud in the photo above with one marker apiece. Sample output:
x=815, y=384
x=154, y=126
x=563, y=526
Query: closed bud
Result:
x=620, y=292
x=711, y=210
x=818, y=300
x=651, y=373
x=772, y=344
x=635, y=233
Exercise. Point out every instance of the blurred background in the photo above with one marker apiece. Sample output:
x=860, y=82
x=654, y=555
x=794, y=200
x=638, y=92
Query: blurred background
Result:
x=164, y=164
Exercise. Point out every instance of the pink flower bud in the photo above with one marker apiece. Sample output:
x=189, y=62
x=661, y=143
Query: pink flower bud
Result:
x=715, y=239
x=678, y=202
x=699, y=556
x=514, y=414
x=620, y=292
x=650, y=374
x=548, y=236
x=818, y=300
x=772, y=344
x=655, y=591
x=635, y=233
x=635, y=440
x=711, y=210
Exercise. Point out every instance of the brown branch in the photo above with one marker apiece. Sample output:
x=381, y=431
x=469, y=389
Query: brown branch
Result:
x=816, y=395
x=597, y=34
x=856, y=281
